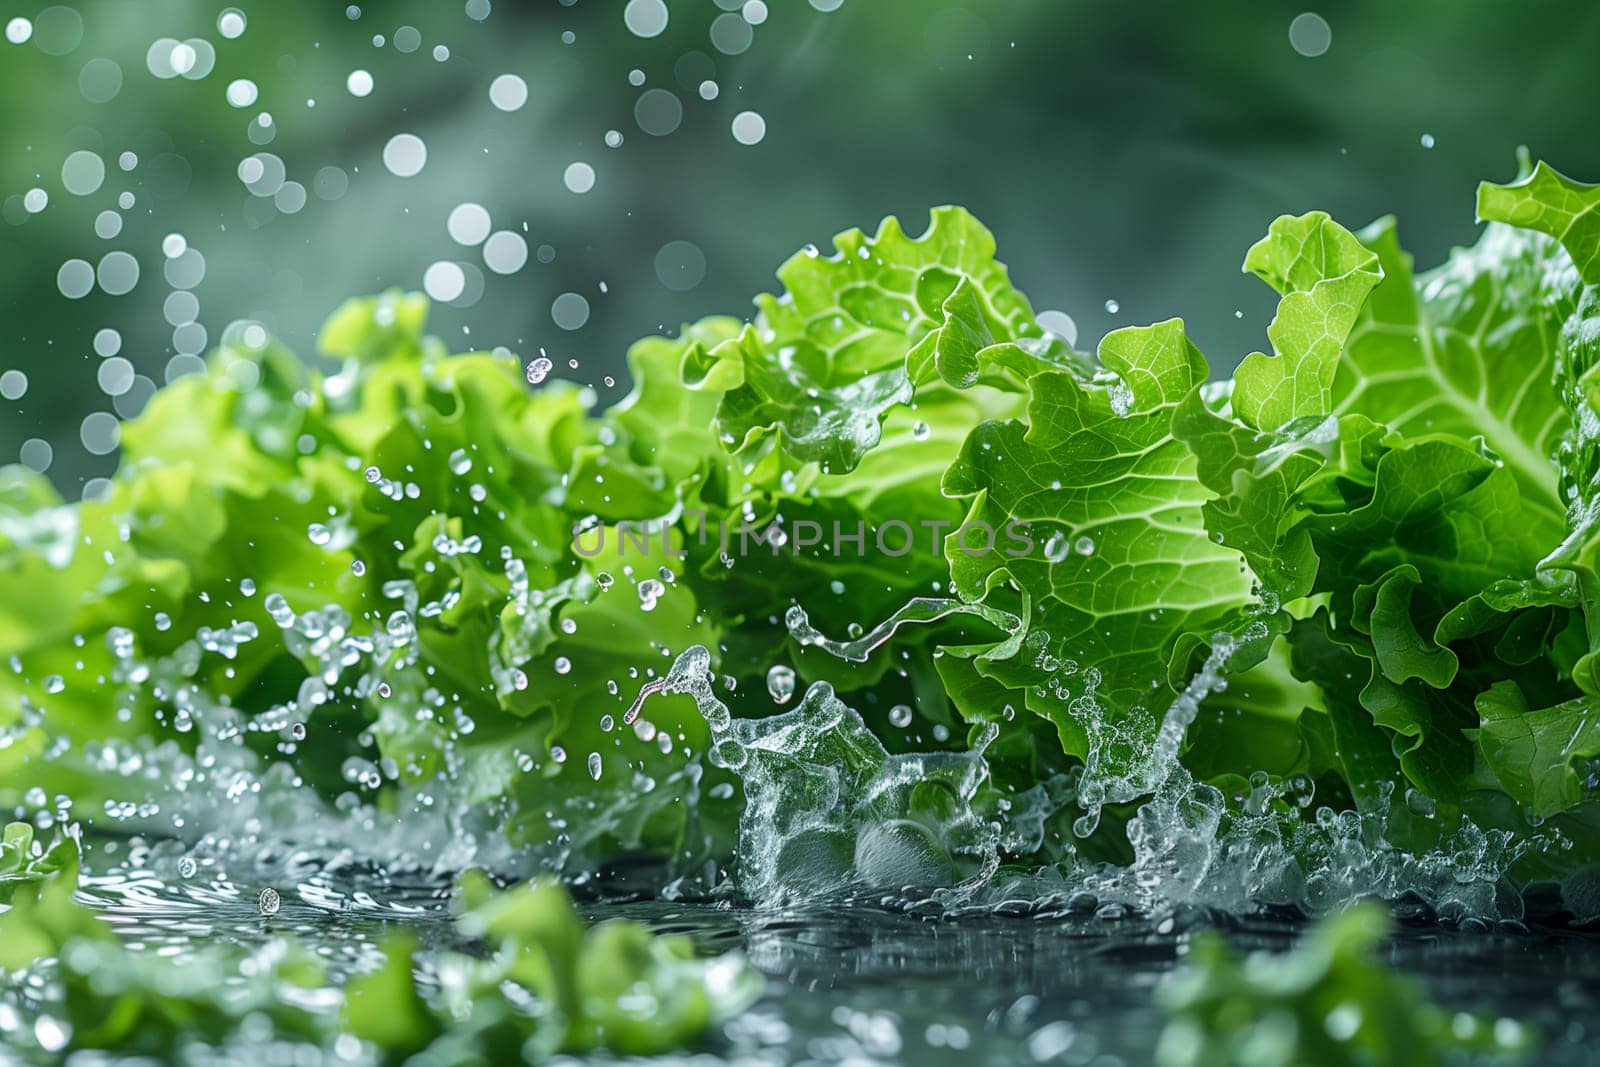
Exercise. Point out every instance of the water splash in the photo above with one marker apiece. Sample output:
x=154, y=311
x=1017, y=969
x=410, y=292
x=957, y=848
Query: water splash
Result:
x=1190, y=842
x=919, y=611
x=828, y=808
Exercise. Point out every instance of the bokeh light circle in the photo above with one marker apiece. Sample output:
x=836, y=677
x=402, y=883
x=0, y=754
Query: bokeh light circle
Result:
x=405, y=155
x=505, y=252
x=680, y=265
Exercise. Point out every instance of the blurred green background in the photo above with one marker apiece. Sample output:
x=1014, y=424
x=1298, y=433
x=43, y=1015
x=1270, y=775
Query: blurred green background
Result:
x=1126, y=154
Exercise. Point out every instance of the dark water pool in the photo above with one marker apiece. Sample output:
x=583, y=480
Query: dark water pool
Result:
x=860, y=983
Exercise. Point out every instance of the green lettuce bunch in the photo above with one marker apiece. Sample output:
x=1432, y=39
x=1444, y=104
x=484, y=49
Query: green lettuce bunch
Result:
x=1361, y=569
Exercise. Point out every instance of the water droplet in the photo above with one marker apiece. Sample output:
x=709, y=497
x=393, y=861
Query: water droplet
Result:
x=578, y=178
x=505, y=252
x=508, y=92
x=780, y=683
x=1427, y=140
x=405, y=155
x=269, y=902
x=539, y=370
x=645, y=18
x=83, y=173
x=1309, y=34
x=1112, y=307
x=187, y=867
x=900, y=716
x=1059, y=324
x=563, y=665
x=570, y=311
x=749, y=128
x=594, y=766
x=680, y=265
x=468, y=224
x=241, y=93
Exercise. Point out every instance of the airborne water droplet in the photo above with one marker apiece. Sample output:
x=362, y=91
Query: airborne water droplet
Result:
x=900, y=716
x=594, y=766
x=268, y=901
x=539, y=370
x=780, y=683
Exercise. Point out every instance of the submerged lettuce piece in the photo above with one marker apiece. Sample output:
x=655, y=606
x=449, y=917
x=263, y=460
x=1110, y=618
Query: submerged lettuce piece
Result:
x=612, y=986
x=105, y=995
x=548, y=985
x=25, y=862
x=1329, y=1000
